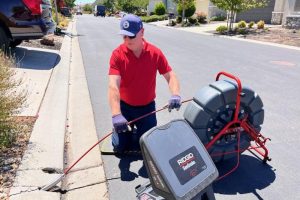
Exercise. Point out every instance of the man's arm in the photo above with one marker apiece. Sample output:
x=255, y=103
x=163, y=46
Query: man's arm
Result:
x=114, y=94
x=172, y=82
x=118, y=120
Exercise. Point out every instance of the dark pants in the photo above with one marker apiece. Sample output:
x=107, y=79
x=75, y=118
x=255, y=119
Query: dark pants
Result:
x=130, y=140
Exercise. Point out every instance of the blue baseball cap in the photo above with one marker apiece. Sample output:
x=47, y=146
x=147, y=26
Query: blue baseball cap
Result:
x=130, y=25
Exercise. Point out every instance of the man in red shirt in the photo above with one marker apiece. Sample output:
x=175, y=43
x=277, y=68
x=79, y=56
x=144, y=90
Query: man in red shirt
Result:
x=132, y=81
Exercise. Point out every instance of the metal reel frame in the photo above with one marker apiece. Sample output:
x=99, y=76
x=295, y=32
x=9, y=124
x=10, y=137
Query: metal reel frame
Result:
x=236, y=126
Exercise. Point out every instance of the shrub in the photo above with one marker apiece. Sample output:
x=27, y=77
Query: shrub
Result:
x=62, y=20
x=201, y=17
x=235, y=29
x=140, y=13
x=178, y=19
x=218, y=18
x=251, y=24
x=221, y=29
x=186, y=24
x=173, y=23
x=62, y=24
x=242, y=24
x=160, y=8
x=192, y=20
x=188, y=12
x=260, y=24
x=10, y=101
x=153, y=18
x=242, y=31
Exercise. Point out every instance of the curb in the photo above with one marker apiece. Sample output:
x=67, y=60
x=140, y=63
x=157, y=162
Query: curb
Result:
x=87, y=179
x=46, y=145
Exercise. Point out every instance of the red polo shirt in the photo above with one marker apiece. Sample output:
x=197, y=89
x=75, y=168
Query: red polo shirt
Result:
x=138, y=75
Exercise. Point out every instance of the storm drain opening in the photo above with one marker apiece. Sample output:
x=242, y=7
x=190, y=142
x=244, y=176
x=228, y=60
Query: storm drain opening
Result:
x=50, y=170
x=53, y=187
x=56, y=189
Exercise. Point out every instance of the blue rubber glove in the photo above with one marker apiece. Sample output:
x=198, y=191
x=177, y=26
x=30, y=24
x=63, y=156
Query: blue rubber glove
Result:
x=174, y=102
x=120, y=123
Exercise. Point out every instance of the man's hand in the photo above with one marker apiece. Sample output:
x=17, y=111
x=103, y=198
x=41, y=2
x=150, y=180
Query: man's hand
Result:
x=120, y=123
x=174, y=102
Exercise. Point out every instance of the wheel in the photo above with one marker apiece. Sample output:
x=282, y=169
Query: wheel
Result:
x=15, y=43
x=4, y=40
x=213, y=107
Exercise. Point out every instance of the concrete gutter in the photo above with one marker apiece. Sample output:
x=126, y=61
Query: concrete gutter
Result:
x=87, y=179
x=65, y=104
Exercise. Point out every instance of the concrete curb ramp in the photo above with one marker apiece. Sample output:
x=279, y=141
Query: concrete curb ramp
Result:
x=65, y=117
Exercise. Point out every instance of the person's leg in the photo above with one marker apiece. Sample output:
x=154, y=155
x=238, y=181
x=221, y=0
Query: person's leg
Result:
x=144, y=124
x=130, y=140
x=121, y=141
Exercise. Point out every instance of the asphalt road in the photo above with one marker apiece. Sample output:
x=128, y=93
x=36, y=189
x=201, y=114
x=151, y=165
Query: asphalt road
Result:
x=273, y=72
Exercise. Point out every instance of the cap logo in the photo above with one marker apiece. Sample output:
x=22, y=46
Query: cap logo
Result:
x=126, y=24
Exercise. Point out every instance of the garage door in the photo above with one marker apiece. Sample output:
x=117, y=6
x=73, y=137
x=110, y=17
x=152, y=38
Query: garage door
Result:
x=258, y=14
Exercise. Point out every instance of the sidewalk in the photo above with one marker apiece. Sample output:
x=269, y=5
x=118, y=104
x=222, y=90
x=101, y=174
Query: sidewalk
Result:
x=64, y=129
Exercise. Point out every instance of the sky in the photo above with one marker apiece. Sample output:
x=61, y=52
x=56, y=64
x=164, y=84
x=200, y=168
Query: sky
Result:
x=84, y=1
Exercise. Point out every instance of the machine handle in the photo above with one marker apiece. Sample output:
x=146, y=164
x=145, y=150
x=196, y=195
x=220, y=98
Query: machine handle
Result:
x=238, y=97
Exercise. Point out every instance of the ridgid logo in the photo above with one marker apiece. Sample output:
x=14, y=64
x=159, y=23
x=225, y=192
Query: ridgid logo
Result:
x=187, y=161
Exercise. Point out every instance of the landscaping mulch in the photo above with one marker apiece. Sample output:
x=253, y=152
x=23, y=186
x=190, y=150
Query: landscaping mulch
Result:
x=276, y=35
x=10, y=158
x=51, y=42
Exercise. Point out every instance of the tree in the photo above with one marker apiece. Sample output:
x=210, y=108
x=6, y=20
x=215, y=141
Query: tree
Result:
x=189, y=11
x=125, y=5
x=109, y=4
x=237, y=6
x=131, y=6
x=70, y=3
x=184, y=4
x=98, y=2
x=141, y=4
x=88, y=8
x=160, y=8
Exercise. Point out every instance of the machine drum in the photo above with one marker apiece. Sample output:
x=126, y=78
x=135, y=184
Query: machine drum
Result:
x=213, y=107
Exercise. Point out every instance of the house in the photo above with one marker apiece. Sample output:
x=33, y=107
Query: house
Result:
x=208, y=8
x=257, y=14
x=287, y=13
x=170, y=6
x=203, y=6
x=281, y=12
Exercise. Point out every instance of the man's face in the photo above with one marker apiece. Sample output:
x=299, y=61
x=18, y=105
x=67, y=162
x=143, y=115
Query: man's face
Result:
x=133, y=43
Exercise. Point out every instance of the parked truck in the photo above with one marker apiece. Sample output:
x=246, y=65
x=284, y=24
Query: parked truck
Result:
x=99, y=11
